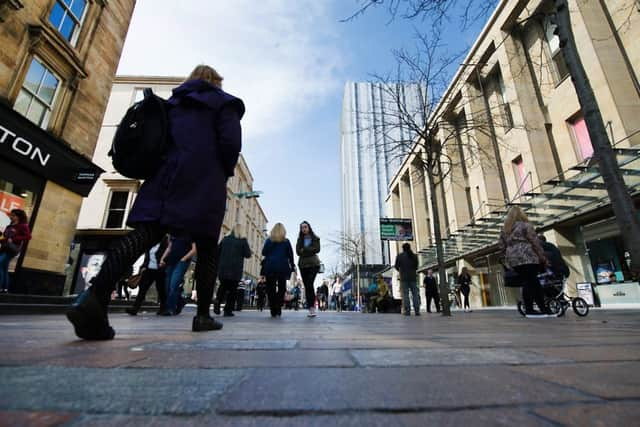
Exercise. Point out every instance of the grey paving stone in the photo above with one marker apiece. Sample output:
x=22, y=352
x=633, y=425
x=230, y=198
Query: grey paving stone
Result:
x=348, y=343
x=597, y=415
x=288, y=391
x=461, y=356
x=219, y=344
x=502, y=417
x=592, y=353
x=117, y=391
x=607, y=380
x=244, y=359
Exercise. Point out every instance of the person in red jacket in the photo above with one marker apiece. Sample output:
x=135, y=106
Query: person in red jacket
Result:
x=12, y=242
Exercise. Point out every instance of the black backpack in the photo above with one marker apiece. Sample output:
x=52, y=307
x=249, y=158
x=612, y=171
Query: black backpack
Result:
x=142, y=139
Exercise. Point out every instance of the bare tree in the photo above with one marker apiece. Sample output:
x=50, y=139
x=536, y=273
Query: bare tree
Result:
x=441, y=140
x=352, y=247
x=437, y=11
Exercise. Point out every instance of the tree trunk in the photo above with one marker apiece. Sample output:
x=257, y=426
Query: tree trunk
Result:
x=442, y=277
x=621, y=201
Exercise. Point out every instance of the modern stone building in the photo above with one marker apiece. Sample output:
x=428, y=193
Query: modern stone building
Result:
x=57, y=62
x=537, y=152
x=369, y=158
x=104, y=212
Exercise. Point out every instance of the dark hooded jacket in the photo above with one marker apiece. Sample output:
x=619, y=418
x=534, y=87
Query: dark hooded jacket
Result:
x=188, y=194
x=233, y=251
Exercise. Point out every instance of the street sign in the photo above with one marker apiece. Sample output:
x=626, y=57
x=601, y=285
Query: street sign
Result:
x=396, y=229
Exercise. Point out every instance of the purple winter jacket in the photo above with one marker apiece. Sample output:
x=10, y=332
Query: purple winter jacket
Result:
x=188, y=194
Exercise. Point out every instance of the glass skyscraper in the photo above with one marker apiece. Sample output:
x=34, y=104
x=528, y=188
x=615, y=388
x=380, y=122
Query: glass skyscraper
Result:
x=374, y=140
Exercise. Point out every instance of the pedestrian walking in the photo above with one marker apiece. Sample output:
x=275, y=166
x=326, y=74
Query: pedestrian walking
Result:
x=336, y=289
x=308, y=248
x=233, y=250
x=523, y=252
x=431, y=291
x=12, y=241
x=176, y=260
x=261, y=293
x=278, y=266
x=151, y=273
x=323, y=296
x=464, y=285
x=186, y=196
x=407, y=265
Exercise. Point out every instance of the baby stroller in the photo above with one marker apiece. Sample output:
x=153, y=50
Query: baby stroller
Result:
x=555, y=297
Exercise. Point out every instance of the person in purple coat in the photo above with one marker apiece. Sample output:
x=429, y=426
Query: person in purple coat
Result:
x=186, y=197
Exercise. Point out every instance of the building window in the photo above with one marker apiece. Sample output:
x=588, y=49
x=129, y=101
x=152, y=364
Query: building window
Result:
x=66, y=16
x=522, y=177
x=505, y=109
x=116, y=213
x=553, y=41
x=581, y=137
x=35, y=100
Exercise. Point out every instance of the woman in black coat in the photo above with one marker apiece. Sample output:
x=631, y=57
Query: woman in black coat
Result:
x=464, y=283
x=277, y=267
x=307, y=248
x=186, y=197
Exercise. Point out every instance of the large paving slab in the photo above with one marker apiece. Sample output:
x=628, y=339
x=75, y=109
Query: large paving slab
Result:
x=479, y=418
x=462, y=356
x=118, y=391
x=614, y=380
x=398, y=389
x=489, y=367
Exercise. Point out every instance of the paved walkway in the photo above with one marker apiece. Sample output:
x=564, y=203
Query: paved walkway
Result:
x=488, y=367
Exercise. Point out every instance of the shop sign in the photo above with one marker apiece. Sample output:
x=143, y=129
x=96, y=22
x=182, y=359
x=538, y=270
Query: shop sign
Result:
x=32, y=148
x=9, y=202
x=585, y=291
x=396, y=229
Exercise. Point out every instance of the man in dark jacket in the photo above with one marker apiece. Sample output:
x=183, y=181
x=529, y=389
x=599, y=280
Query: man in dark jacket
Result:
x=152, y=272
x=186, y=196
x=233, y=251
x=431, y=291
x=407, y=265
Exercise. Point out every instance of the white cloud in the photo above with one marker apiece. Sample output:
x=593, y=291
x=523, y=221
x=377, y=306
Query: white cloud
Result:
x=279, y=56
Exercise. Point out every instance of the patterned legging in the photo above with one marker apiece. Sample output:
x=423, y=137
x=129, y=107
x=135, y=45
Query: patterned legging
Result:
x=138, y=242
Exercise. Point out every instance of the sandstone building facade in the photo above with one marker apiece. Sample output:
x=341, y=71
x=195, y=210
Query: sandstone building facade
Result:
x=536, y=152
x=57, y=63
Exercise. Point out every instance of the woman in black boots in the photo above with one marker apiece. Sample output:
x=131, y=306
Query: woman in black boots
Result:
x=307, y=248
x=186, y=196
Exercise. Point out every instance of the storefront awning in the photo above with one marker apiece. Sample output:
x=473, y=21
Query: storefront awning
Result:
x=553, y=202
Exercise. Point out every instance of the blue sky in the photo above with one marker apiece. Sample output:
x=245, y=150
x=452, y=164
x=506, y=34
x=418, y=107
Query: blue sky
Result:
x=289, y=61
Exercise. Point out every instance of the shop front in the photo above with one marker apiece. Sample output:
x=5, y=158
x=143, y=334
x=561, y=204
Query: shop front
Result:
x=610, y=264
x=36, y=166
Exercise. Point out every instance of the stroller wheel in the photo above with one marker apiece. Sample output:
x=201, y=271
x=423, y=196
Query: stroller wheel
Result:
x=555, y=307
x=580, y=306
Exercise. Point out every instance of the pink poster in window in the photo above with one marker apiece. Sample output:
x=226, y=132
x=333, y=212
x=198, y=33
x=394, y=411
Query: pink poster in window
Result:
x=582, y=138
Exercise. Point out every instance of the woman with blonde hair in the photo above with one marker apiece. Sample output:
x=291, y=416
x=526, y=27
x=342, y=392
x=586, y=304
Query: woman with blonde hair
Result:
x=523, y=253
x=186, y=197
x=278, y=266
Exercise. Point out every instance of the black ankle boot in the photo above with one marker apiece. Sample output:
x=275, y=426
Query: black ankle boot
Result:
x=89, y=317
x=205, y=323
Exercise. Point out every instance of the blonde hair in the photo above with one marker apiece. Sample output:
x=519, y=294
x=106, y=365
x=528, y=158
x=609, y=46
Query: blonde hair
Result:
x=236, y=231
x=278, y=233
x=206, y=73
x=514, y=215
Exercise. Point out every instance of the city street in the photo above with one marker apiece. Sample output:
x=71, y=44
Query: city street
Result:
x=488, y=367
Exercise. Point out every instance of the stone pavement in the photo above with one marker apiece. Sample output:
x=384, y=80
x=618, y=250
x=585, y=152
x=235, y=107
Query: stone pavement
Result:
x=488, y=367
